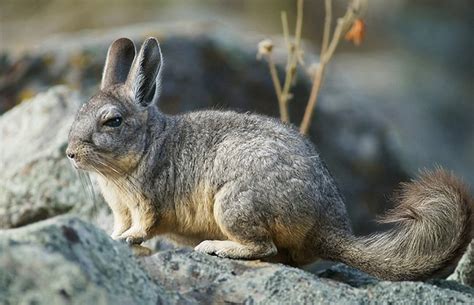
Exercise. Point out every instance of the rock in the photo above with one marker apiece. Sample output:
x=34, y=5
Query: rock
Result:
x=464, y=272
x=416, y=106
x=36, y=179
x=213, y=280
x=64, y=260
x=348, y=275
x=29, y=275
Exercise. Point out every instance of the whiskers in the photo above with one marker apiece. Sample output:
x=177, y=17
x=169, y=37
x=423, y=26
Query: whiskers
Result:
x=110, y=170
x=88, y=188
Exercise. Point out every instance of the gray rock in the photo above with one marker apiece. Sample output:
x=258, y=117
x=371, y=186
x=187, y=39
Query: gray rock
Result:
x=428, y=121
x=36, y=179
x=67, y=261
x=212, y=280
x=464, y=272
x=30, y=275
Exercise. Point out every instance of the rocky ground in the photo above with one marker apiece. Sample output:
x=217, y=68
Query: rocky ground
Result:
x=65, y=260
x=50, y=259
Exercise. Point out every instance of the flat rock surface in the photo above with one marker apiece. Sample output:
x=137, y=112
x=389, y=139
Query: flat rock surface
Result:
x=65, y=260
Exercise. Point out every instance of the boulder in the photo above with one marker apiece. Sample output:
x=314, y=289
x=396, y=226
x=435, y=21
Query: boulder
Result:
x=36, y=180
x=211, y=280
x=464, y=272
x=65, y=260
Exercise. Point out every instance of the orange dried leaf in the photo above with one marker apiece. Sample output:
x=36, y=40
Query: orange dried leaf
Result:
x=356, y=33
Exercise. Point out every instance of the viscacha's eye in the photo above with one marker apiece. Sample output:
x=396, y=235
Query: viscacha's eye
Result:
x=113, y=122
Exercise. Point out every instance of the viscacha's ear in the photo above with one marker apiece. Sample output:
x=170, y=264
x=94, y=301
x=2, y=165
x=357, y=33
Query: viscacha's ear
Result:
x=144, y=77
x=119, y=60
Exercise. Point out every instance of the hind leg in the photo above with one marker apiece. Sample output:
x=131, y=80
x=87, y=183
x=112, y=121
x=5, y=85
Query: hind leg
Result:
x=236, y=250
x=245, y=228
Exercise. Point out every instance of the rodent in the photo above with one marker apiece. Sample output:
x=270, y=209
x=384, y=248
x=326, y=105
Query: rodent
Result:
x=247, y=186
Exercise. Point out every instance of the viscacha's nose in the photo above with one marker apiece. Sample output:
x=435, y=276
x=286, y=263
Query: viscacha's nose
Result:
x=70, y=153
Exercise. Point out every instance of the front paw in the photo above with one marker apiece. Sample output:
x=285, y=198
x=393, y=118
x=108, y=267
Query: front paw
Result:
x=118, y=231
x=116, y=235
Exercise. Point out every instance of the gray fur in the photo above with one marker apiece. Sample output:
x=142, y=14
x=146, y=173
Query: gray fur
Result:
x=250, y=187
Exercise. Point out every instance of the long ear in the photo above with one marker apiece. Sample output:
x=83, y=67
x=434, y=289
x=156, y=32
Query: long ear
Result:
x=143, y=80
x=119, y=60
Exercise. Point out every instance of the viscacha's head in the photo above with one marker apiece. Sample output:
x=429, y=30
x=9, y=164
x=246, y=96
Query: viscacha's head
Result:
x=109, y=132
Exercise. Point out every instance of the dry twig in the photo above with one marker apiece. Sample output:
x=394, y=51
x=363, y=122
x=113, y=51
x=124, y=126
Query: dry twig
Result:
x=295, y=55
x=294, y=52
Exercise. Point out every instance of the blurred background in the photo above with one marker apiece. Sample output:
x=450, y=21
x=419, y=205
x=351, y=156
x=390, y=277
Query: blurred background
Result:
x=401, y=101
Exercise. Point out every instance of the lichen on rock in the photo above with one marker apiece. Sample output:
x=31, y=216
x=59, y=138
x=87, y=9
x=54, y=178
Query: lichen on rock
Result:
x=36, y=179
x=65, y=260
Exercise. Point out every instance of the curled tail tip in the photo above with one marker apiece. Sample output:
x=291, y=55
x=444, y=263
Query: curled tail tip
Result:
x=432, y=191
x=436, y=213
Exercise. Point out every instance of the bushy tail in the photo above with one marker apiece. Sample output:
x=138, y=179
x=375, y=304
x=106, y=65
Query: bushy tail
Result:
x=433, y=225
